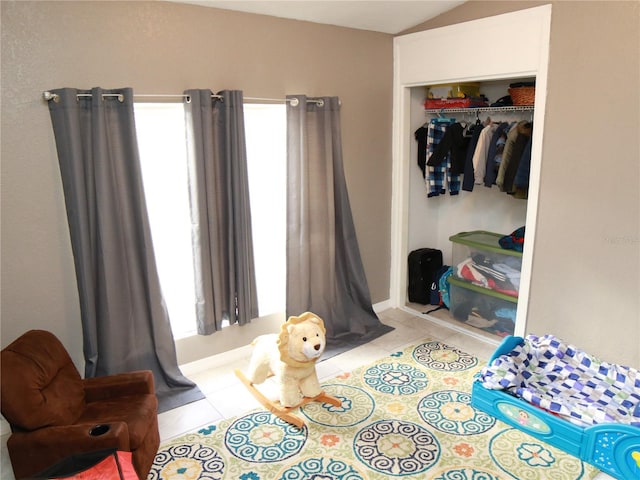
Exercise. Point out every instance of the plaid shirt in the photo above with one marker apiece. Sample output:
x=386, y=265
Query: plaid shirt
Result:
x=436, y=175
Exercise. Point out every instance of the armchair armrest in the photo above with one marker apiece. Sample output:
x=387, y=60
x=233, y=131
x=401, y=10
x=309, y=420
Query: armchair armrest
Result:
x=32, y=452
x=119, y=385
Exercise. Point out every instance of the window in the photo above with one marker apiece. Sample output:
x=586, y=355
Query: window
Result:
x=163, y=157
x=160, y=129
x=266, y=136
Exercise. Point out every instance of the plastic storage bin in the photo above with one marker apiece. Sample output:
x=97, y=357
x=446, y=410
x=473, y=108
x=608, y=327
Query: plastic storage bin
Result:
x=482, y=308
x=479, y=259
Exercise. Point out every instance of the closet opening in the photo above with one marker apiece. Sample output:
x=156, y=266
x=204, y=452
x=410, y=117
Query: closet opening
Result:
x=469, y=140
x=418, y=221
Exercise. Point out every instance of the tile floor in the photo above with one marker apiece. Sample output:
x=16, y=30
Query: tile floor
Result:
x=227, y=397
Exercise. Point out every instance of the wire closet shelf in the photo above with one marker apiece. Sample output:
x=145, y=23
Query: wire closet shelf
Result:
x=478, y=110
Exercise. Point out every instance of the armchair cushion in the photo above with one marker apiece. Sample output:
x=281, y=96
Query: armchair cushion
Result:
x=40, y=384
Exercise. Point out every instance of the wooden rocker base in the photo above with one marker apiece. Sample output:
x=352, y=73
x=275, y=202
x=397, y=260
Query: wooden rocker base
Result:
x=285, y=412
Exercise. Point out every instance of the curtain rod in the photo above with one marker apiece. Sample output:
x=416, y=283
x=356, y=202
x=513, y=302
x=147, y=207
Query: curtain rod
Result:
x=47, y=95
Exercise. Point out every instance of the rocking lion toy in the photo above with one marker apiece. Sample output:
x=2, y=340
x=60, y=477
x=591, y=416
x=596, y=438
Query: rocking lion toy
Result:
x=291, y=357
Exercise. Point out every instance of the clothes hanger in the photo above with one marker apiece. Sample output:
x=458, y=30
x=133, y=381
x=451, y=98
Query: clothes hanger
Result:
x=441, y=119
x=471, y=127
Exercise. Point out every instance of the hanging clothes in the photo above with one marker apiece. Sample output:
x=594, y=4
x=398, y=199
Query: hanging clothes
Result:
x=480, y=154
x=521, y=180
x=435, y=178
x=509, y=166
x=467, y=180
x=491, y=153
x=508, y=153
x=494, y=154
x=453, y=143
x=421, y=137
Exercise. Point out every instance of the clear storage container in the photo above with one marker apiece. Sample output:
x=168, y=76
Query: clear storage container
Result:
x=478, y=258
x=479, y=307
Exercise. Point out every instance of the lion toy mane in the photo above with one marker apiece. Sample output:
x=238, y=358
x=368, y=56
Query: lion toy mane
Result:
x=291, y=357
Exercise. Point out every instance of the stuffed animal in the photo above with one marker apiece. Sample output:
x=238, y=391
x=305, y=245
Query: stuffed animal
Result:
x=291, y=356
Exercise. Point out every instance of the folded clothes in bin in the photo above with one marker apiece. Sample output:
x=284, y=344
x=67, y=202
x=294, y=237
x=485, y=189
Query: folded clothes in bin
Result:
x=480, y=258
x=482, y=308
x=500, y=277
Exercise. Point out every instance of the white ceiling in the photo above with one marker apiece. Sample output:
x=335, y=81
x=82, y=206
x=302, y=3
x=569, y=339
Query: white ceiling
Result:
x=377, y=15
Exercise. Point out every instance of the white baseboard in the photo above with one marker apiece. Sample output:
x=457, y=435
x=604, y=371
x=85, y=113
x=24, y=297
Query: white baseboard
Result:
x=381, y=306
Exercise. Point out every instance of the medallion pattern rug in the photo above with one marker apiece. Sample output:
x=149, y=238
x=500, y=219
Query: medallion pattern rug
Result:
x=408, y=415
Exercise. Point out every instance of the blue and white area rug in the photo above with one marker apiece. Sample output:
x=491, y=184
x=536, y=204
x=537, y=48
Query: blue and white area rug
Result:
x=408, y=416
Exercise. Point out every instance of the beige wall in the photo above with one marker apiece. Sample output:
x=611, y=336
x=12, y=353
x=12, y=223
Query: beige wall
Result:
x=586, y=266
x=586, y=281
x=158, y=47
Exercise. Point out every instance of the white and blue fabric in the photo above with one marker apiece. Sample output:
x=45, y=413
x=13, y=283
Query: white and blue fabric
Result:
x=566, y=381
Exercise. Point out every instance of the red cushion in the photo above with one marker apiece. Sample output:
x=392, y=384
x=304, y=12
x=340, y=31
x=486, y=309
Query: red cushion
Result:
x=40, y=384
x=99, y=465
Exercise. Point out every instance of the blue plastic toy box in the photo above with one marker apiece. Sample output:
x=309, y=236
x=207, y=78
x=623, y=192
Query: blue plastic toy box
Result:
x=611, y=447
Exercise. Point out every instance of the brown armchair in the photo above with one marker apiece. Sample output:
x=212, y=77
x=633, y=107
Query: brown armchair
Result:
x=54, y=413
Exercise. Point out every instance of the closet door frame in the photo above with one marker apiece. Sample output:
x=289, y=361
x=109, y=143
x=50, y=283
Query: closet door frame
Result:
x=509, y=46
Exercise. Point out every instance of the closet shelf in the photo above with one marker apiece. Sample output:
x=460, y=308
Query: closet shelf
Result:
x=522, y=108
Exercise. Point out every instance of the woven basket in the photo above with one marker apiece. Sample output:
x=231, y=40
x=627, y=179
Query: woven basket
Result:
x=523, y=95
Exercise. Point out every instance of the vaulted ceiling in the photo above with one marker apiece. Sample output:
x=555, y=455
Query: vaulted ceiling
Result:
x=380, y=16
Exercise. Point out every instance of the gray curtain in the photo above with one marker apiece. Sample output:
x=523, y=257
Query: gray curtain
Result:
x=125, y=323
x=324, y=270
x=220, y=213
